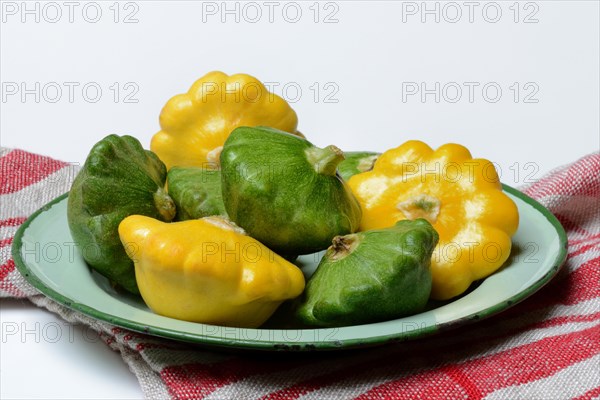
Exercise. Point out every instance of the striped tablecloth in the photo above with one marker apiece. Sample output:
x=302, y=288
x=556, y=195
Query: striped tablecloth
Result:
x=547, y=347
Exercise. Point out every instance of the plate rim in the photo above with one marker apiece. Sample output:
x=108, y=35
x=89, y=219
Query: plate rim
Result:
x=249, y=344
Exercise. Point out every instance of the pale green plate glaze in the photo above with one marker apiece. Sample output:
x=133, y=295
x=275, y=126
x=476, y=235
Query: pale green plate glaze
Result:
x=45, y=254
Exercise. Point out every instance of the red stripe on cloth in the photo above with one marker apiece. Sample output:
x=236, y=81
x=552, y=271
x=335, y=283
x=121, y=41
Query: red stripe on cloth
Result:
x=5, y=284
x=571, y=226
x=423, y=386
x=146, y=346
x=309, y=385
x=19, y=169
x=116, y=330
x=442, y=383
x=432, y=384
x=12, y=221
x=591, y=394
x=579, y=286
x=6, y=242
x=192, y=381
x=464, y=381
x=586, y=239
x=6, y=269
x=583, y=249
x=508, y=368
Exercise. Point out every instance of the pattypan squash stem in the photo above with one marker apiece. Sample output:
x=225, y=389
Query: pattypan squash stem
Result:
x=325, y=161
x=343, y=246
x=421, y=206
x=164, y=204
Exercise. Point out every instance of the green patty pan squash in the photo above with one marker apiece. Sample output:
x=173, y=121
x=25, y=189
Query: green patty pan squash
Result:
x=196, y=192
x=356, y=162
x=285, y=192
x=371, y=276
x=119, y=178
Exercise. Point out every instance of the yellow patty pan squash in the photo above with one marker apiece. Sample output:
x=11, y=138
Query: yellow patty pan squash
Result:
x=207, y=270
x=194, y=125
x=459, y=195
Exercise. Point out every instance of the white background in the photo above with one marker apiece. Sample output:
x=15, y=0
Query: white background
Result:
x=350, y=71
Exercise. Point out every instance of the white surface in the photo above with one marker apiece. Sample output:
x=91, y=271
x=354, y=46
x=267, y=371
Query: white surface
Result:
x=369, y=55
x=44, y=357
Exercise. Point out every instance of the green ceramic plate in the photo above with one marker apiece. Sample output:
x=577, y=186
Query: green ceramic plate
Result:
x=45, y=254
